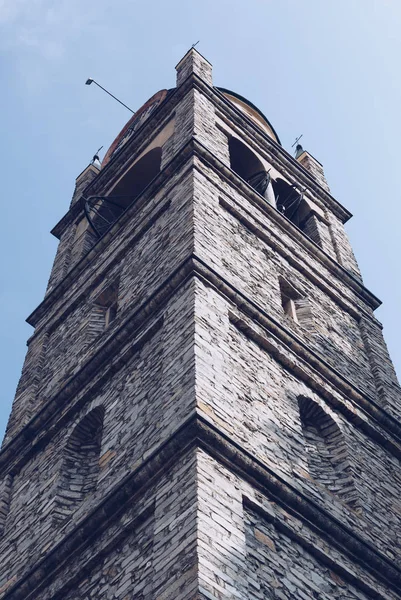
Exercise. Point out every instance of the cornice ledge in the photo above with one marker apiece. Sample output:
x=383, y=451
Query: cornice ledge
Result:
x=182, y=156
x=228, y=107
x=325, y=371
x=112, y=507
x=266, y=208
x=25, y=441
x=139, y=323
x=29, y=439
x=66, y=220
x=65, y=285
x=254, y=225
x=197, y=432
x=224, y=449
x=296, y=346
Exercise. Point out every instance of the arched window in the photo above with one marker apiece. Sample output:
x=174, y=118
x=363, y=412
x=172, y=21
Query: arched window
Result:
x=326, y=450
x=290, y=201
x=138, y=177
x=248, y=166
x=102, y=211
x=80, y=464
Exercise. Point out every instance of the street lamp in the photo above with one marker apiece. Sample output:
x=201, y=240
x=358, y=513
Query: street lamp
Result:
x=90, y=80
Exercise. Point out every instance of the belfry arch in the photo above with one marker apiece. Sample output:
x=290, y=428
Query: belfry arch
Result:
x=138, y=176
x=250, y=168
x=103, y=211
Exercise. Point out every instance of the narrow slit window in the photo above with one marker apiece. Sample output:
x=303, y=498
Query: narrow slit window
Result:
x=289, y=298
x=296, y=307
x=289, y=307
x=110, y=314
x=104, y=310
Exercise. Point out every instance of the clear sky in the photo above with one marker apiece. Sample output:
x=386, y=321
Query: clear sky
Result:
x=329, y=69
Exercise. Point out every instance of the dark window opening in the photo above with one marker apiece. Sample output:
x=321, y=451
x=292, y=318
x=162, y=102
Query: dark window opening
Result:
x=110, y=314
x=138, y=177
x=289, y=299
x=104, y=310
x=248, y=166
x=290, y=202
x=289, y=307
x=296, y=306
x=103, y=211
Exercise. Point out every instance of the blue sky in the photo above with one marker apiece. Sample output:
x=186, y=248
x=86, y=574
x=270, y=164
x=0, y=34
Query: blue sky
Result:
x=326, y=69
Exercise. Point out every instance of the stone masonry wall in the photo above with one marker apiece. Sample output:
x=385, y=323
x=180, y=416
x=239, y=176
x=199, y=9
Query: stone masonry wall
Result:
x=144, y=403
x=124, y=572
x=161, y=245
x=200, y=266
x=155, y=558
x=147, y=551
x=311, y=164
x=23, y=404
x=243, y=246
x=280, y=568
x=253, y=398
x=251, y=547
x=62, y=260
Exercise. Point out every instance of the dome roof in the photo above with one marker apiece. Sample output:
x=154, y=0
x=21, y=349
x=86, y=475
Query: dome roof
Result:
x=249, y=109
x=252, y=112
x=134, y=123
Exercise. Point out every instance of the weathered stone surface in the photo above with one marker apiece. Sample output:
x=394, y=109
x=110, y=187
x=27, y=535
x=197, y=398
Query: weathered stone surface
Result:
x=179, y=430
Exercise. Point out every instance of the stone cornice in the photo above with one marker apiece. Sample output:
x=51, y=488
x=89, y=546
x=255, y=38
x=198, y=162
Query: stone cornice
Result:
x=237, y=459
x=253, y=224
x=82, y=387
x=284, y=224
x=277, y=151
x=54, y=413
x=194, y=147
x=70, y=303
x=270, y=339
x=298, y=348
x=157, y=183
x=196, y=432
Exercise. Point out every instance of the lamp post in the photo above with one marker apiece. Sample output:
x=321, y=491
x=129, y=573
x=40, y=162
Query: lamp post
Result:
x=90, y=80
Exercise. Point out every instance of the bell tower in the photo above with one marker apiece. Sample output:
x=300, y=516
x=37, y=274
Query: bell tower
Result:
x=207, y=408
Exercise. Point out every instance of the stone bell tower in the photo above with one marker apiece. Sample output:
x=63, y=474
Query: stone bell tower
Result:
x=207, y=408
